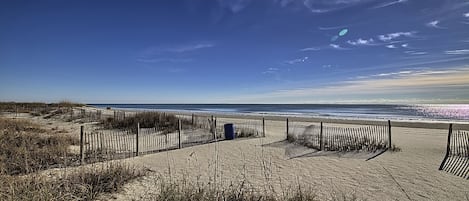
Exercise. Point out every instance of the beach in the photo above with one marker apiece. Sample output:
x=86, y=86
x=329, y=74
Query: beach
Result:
x=411, y=174
x=272, y=163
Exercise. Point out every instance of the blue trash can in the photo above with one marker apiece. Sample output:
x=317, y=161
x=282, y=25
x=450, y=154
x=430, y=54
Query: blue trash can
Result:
x=229, y=131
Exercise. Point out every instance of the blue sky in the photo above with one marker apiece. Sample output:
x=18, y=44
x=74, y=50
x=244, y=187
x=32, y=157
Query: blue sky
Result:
x=235, y=51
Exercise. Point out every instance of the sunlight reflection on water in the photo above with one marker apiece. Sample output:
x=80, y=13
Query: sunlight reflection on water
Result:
x=446, y=111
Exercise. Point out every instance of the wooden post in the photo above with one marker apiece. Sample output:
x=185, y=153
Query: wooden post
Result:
x=136, y=139
x=192, y=117
x=215, y=128
x=263, y=126
x=321, y=141
x=212, y=129
x=389, y=134
x=179, y=132
x=448, y=147
x=287, y=128
x=82, y=156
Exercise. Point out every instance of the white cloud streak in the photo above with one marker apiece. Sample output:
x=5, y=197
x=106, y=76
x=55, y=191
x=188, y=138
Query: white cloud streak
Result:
x=361, y=42
x=415, y=53
x=466, y=14
x=391, y=46
x=331, y=28
x=391, y=36
x=457, y=52
x=295, y=61
x=161, y=60
x=451, y=82
x=389, y=4
x=271, y=71
x=324, y=6
x=434, y=24
x=310, y=49
x=337, y=47
x=189, y=48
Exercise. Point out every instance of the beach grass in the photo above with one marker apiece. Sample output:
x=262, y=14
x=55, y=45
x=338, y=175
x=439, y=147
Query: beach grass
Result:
x=84, y=183
x=25, y=147
x=164, y=122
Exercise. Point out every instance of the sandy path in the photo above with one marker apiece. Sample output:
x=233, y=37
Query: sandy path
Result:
x=412, y=173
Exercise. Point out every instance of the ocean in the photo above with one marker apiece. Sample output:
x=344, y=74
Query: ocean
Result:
x=416, y=112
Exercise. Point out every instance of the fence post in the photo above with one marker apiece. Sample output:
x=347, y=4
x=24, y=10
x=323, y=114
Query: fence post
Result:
x=136, y=139
x=287, y=128
x=448, y=148
x=215, y=129
x=263, y=126
x=82, y=156
x=192, y=118
x=212, y=126
x=179, y=132
x=389, y=134
x=321, y=143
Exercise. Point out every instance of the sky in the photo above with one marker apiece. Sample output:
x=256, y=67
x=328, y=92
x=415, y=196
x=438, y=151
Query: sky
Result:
x=235, y=51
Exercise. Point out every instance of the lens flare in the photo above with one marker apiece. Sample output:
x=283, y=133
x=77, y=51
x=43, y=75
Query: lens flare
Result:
x=343, y=32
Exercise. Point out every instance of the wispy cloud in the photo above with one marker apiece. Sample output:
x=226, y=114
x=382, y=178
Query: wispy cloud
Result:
x=457, y=52
x=466, y=15
x=324, y=6
x=415, y=53
x=172, y=54
x=295, y=61
x=234, y=6
x=361, y=42
x=310, y=49
x=161, y=60
x=405, y=45
x=178, y=48
x=337, y=47
x=391, y=46
x=331, y=28
x=188, y=48
x=450, y=83
x=389, y=74
x=391, y=36
x=389, y=4
x=270, y=71
x=434, y=24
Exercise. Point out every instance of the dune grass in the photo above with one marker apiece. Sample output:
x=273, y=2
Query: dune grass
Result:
x=26, y=147
x=164, y=122
x=36, y=108
x=81, y=184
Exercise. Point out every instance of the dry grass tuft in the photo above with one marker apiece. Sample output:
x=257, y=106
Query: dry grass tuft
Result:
x=82, y=184
x=166, y=122
x=26, y=148
x=175, y=190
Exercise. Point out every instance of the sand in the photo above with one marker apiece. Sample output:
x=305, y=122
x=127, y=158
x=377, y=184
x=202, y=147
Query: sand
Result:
x=411, y=174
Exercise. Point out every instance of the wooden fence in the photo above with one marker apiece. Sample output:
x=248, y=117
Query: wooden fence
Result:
x=456, y=160
x=344, y=138
x=100, y=145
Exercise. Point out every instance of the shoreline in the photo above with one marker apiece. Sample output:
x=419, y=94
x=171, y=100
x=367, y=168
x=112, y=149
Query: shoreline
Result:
x=333, y=120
